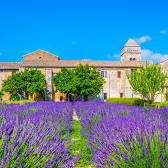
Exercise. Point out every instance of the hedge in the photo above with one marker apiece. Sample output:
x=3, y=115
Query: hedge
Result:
x=20, y=101
x=127, y=101
x=161, y=104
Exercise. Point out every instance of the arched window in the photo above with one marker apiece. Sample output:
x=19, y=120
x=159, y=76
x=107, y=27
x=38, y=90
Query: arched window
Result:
x=133, y=59
x=130, y=59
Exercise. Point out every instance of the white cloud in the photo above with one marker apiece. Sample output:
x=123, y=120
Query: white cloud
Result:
x=113, y=56
x=116, y=55
x=150, y=55
x=163, y=31
x=142, y=39
x=87, y=59
x=146, y=55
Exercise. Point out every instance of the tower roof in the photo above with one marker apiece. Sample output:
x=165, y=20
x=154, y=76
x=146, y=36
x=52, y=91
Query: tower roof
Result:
x=131, y=43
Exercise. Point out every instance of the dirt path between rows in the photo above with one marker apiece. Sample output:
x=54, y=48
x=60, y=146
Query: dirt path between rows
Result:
x=75, y=116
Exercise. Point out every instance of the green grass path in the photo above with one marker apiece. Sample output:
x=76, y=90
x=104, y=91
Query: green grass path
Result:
x=79, y=145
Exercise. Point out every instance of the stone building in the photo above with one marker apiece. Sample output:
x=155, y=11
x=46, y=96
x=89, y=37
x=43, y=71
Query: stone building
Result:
x=114, y=72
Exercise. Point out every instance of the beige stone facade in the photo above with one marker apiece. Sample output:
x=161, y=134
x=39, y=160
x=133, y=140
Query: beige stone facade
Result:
x=114, y=72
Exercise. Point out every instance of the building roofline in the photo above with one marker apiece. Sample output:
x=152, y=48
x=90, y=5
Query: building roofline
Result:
x=74, y=63
x=9, y=65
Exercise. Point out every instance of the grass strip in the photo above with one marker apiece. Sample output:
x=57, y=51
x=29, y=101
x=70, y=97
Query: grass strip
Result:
x=79, y=146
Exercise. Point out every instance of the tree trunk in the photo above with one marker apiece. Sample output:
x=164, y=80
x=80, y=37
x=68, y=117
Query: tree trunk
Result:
x=152, y=97
x=26, y=95
x=32, y=96
x=85, y=98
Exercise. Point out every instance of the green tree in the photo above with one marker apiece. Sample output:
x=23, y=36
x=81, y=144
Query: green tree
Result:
x=148, y=81
x=82, y=80
x=25, y=83
x=64, y=81
x=1, y=94
x=34, y=82
x=14, y=84
x=88, y=81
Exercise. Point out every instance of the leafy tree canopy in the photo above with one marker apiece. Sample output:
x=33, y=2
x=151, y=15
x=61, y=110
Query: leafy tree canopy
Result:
x=25, y=83
x=82, y=80
x=148, y=81
x=14, y=84
x=64, y=81
x=88, y=80
x=34, y=80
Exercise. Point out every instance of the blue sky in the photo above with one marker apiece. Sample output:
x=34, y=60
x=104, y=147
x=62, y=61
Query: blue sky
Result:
x=83, y=29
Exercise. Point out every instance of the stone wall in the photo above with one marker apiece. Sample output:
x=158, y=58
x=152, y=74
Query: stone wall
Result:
x=116, y=86
x=128, y=52
x=113, y=85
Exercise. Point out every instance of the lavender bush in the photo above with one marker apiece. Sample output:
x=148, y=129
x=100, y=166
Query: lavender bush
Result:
x=35, y=135
x=124, y=136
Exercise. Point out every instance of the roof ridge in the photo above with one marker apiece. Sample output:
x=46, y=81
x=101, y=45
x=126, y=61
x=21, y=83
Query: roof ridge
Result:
x=39, y=50
x=130, y=43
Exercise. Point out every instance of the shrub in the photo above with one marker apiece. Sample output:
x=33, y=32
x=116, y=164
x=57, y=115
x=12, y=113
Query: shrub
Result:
x=127, y=101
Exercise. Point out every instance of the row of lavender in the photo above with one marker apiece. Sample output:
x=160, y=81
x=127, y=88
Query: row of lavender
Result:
x=35, y=135
x=122, y=136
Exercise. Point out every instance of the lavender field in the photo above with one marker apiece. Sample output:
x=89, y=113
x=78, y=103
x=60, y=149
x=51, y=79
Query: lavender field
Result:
x=35, y=135
x=103, y=135
x=123, y=136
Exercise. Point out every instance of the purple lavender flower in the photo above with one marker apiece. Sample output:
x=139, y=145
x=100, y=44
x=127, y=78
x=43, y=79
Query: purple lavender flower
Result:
x=33, y=130
x=123, y=135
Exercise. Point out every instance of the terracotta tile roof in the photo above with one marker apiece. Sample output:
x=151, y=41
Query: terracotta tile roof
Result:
x=9, y=65
x=74, y=63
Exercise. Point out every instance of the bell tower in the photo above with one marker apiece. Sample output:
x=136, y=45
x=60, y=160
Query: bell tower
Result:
x=131, y=51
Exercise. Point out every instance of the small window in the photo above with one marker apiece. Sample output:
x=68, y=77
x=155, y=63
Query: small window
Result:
x=121, y=94
x=130, y=59
x=104, y=74
x=133, y=59
x=119, y=74
x=105, y=96
x=53, y=74
x=40, y=57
